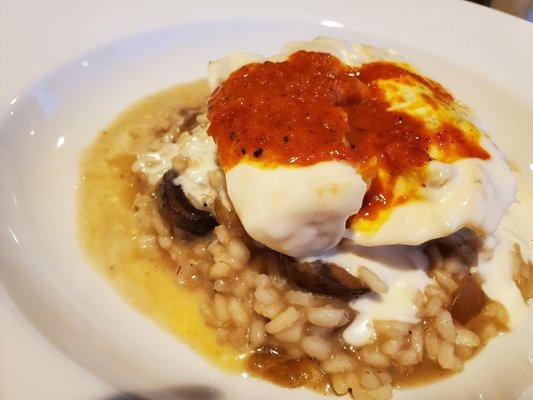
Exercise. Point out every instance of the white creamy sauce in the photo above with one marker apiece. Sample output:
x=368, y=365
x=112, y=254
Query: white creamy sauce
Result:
x=402, y=268
x=219, y=70
x=349, y=53
x=470, y=193
x=199, y=151
x=496, y=262
x=153, y=164
x=296, y=210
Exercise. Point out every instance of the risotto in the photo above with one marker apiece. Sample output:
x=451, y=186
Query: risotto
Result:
x=193, y=265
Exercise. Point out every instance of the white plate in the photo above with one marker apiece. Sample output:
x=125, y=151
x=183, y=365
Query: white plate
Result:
x=483, y=56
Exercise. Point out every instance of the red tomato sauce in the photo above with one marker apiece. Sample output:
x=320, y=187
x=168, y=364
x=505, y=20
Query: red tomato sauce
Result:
x=312, y=108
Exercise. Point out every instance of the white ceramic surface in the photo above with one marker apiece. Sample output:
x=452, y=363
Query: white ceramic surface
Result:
x=483, y=56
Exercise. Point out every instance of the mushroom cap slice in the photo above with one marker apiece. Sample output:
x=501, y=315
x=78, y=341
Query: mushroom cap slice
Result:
x=177, y=210
x=322, y=277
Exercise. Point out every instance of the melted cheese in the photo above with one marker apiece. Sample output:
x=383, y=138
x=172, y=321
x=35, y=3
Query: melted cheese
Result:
x=470, y=193
x=296, y=211
x=497, y=260
x=199, y=152
x=402, y=268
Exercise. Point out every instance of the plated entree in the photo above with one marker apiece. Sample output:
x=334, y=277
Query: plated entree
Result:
x=341, y=221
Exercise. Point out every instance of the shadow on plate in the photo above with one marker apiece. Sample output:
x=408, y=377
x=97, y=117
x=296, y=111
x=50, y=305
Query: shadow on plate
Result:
x=182, y=393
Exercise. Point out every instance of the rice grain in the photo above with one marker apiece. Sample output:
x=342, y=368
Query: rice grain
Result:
x=283, y=321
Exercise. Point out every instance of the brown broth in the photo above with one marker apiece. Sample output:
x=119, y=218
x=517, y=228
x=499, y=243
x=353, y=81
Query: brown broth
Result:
x=288, y=372
x=108, y=227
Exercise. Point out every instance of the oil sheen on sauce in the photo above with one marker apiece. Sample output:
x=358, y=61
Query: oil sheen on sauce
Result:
x=312, y=108
x=146, y=278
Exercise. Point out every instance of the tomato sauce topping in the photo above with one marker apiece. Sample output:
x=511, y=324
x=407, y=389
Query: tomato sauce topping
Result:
x=312, y=108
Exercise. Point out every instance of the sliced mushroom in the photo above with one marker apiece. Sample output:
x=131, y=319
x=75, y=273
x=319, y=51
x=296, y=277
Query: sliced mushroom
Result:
x=468, y=301
x=322, y=277
x=189, y=118
x=177, y=210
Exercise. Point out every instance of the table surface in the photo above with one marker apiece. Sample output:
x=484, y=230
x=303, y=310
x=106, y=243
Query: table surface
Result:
x=518, y=8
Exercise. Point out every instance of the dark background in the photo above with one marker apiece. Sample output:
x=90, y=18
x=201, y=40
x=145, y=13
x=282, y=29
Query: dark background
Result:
x=518, y=8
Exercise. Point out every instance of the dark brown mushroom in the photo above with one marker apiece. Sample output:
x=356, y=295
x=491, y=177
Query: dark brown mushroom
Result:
x=322, y=277
x=177, y=210
x=189, y=118
x=468, y=301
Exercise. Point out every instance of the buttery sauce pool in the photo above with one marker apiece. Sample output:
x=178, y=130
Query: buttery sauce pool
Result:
x=108, y=228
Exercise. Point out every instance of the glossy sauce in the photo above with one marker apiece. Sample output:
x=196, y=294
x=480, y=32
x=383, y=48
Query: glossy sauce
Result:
x=313, y=108
x=523, y=274
x=109, y=231
x=285, y=371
